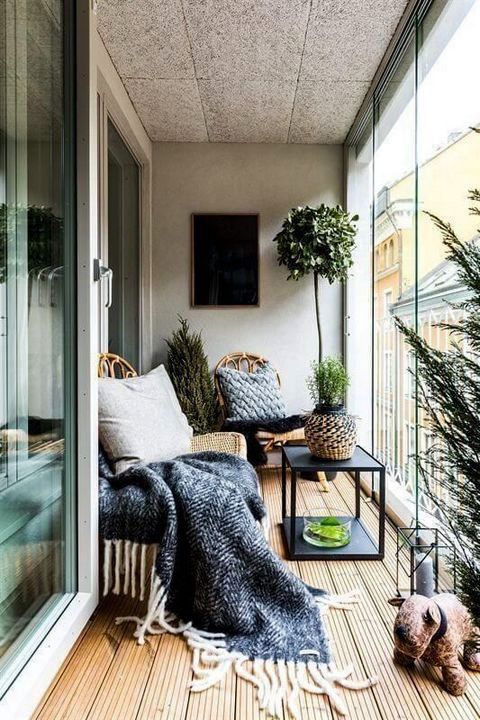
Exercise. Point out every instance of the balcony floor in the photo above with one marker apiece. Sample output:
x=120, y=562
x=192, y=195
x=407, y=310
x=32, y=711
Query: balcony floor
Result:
x=107, y=676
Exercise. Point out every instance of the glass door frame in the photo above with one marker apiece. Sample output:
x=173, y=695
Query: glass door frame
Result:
x=25, y=645
x=55, y=635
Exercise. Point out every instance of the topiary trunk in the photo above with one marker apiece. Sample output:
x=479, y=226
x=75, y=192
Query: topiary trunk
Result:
x=317, y=315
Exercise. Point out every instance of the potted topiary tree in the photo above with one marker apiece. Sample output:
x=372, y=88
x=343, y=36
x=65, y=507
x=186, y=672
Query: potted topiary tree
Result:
x=319, y=241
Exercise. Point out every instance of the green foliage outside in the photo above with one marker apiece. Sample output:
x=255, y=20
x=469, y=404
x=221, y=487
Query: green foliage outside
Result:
x=448, y=391
x=43, y=233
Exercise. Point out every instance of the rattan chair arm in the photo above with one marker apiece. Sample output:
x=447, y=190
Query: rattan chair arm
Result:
x=227, y=442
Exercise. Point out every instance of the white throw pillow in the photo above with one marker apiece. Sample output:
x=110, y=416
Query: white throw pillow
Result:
x=140, y=420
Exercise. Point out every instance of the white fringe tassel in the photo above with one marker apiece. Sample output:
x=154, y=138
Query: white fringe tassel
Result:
x=278, y=682
x=340, y=602
x=120, y=558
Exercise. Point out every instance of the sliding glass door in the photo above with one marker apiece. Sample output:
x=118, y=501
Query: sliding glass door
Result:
x=37, y=327
x=417, y=143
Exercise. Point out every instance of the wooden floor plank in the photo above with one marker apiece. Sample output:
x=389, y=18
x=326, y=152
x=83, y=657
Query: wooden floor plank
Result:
x=108, y=676
x=216, y=703
x=391, y=693
x=73, y=692
x=124, y=684
x=165, y=697
x=378, y=589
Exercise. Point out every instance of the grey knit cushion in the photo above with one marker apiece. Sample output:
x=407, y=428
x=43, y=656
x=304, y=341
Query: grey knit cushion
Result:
x=252, y=396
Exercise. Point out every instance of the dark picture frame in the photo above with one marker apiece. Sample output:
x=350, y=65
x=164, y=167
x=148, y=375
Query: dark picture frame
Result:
x=225, y=260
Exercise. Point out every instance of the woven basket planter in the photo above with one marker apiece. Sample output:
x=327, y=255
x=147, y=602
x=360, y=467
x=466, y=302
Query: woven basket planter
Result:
x=331, y=434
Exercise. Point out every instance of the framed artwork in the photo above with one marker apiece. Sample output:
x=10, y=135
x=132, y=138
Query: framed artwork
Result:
x=224, y=260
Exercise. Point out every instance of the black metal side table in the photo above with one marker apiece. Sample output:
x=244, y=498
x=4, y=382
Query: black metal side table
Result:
x=361, y=546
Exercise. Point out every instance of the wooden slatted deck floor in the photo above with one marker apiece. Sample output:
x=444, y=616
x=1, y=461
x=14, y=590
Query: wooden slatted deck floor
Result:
x=107, y=676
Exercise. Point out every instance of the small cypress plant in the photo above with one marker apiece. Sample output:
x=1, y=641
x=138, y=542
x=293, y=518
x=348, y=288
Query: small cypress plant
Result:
x=193, y=383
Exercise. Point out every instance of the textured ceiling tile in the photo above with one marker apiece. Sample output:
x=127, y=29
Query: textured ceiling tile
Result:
x=247, y=111
x=324, y=111
x=247, y=57
x=249, y=39
x=347, y=40
x=146, y=39
x=170, y=110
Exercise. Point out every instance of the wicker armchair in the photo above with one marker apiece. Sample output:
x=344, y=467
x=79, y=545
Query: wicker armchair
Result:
x=114, y=366
x=249, y=362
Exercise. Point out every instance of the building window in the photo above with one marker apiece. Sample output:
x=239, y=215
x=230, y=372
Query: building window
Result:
x=388, y=371
x=387, y=302
x=38, y=547
x=391, y=259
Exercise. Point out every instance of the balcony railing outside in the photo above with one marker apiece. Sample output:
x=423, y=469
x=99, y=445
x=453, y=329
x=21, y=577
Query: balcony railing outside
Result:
x=402, y=430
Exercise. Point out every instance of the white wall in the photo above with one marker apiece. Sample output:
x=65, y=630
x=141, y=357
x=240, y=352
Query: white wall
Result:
x=268, y=179
x=359, y=295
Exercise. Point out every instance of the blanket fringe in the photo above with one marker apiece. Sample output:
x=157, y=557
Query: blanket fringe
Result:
x=278, y=682
x=123, y=557
x=339, y=602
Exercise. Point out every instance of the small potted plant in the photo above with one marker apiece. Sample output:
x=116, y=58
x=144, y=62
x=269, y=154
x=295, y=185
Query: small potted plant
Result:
x=330, y=432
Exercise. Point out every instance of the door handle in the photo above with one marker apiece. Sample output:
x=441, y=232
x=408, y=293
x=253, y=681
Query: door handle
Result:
x=109, y=277
x=102, y=272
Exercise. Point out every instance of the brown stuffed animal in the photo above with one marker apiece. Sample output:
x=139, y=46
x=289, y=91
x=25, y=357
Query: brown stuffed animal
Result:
x=435, y=629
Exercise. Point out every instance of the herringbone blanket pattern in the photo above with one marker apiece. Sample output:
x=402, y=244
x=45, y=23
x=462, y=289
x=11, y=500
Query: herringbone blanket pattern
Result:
x=215, y=579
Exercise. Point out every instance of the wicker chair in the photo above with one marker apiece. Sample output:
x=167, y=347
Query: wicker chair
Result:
x=249, y=362
x=114, y=366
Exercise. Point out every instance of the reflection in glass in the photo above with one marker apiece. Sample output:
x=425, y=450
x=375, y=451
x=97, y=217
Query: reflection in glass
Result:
x=35, y=546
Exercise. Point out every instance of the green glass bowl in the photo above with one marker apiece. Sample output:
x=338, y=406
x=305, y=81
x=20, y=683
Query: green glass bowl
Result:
x=327, y=527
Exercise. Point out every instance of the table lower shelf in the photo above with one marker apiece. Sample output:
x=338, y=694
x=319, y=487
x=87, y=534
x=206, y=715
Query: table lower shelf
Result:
x=361, y=546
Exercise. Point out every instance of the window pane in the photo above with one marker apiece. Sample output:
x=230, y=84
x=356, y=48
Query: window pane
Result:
x=426, y=157
x=36, y=535
x=394, y=268
x=449, y=159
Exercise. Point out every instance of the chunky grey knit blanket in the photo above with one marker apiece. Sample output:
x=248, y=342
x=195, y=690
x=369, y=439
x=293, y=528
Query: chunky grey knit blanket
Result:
x=215, y=580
